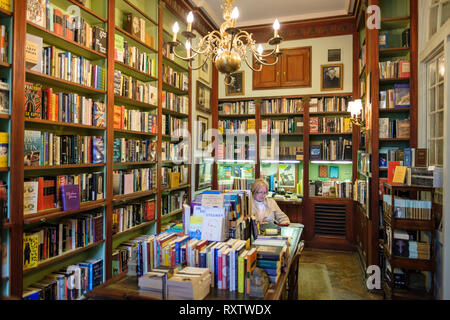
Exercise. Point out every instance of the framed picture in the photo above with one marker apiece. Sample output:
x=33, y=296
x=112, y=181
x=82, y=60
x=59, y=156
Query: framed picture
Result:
x=287, y=176
x=331, y=77
x=323, y=171
x=203, y=97
x=204, y=73
x=203, y=175
x=334, y=55
x=237, y=88
x=202, y=129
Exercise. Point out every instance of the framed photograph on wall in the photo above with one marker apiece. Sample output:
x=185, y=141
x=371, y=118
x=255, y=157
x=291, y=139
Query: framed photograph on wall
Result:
x=204, y=73
x=203, y=97
x=203, y=175
x=334, y=55
x=237, y=88
x=202, y=129
x=331, y=77
x=287, y=176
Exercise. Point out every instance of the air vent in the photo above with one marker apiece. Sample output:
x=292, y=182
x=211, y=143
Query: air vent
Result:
x=329, y=219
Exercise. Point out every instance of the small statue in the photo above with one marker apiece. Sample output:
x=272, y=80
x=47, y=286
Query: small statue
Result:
x=259, y=283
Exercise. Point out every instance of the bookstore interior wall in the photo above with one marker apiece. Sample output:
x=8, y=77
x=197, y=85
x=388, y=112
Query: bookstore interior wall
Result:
x=319, y=56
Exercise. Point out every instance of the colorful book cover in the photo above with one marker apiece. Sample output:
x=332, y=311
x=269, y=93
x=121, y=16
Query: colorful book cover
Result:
x=30, y=197
x=70, y=195
x=195, y=227
x=99, y=116
x=36, y=12
x=401, y=94
x=391, y=169
x=314, y=125
x=30, y=250
x=32, y=148
x=98, y=150
x=33, y=100
x=4, y=144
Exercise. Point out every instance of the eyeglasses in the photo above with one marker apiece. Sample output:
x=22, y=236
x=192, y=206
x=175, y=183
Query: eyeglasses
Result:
x=261, y=192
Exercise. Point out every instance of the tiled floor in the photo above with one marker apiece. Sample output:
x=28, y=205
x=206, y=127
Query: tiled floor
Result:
x=344, y=272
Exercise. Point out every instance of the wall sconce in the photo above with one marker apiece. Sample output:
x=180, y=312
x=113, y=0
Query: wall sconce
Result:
x=355, y=109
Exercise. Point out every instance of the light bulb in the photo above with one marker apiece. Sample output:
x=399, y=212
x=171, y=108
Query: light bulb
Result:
x=235, y=13
x=276, y=27
x=175, y=30
x=260, y=49
x=190, y=19
x=188, y=45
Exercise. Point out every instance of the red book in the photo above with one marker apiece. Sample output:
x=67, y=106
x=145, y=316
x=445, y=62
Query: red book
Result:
x=404, y=69
x=314, y=125
x=49, y=193
x=58, y=22
x=219, y=269
x=41, y=184
x=391, y=168
x=55, y=107
x=382, y=181
x=150, y=210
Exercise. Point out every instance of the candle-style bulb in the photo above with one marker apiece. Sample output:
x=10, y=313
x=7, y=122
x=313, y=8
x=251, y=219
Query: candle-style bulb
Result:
x=260, y=49
x=276, y=27
x=190, y=19
x=234, y=16
x=175, y=30
x=188, y=45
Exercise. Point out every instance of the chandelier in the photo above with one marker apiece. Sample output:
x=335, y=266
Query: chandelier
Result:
x=228, y=47
x=355, y=108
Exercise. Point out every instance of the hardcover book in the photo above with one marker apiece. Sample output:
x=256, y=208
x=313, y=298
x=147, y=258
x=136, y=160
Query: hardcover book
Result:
x=99, y=116
x=100, y=37
x=316, y=152
x=4, y=143
x=33, y=100
x=30, y=250
x=70, y=195
x=36, y=12
x=402, y=97
x=383, y=40
x=4, y=97
x=30, y=197
x=33, y=52
x=98, y=150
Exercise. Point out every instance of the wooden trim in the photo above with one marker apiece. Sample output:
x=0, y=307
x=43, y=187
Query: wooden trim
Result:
x=215, y=122
x=86, y=9
x=17, y=145
x=140, y=12
x=132, y=229
x=129, y=35
x=64, y=166
x=132, y=196
x=133, y=103
x=414, y=29
x=64, y=124
x=161, y=7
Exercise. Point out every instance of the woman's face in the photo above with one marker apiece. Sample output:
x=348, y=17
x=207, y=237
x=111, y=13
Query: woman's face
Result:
x=260, y=194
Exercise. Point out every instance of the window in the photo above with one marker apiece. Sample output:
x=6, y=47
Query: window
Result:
x=439, y=14
x=435, y=109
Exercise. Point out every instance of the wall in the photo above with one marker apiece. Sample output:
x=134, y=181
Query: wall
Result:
x=319, y=56
x=427, y=48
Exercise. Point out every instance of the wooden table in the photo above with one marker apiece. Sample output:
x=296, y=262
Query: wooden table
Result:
x=123, y=287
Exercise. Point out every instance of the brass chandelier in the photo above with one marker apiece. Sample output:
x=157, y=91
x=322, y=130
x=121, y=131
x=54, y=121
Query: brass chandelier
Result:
x=228, y=47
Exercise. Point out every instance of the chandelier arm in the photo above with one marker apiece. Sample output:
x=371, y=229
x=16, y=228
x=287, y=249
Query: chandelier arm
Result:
x=187, y=58
x=251, y=67
x=266, y=63
x=263, y=55
x=200, y=66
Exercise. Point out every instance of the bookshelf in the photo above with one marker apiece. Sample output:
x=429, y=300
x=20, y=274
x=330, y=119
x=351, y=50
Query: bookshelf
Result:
x=6, y=22
x=410, y=219
x=283, y=113
x=135, y=61
x=387, y=64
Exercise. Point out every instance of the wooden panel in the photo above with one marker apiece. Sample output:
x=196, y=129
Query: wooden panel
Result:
x=296, y=67
x=268, y=77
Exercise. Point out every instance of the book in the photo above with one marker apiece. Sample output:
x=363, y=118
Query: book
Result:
x=399, y=174
x=36, y=12
x=33, y=53
x=406, y=38
x=383, y=40
x=30, y=250
x=315, y=152
x=404, y=69
x=99, y=37
x=403, y=128
x=98, y=150
x=4, y=146
x=99, y=114
x=391, y=168
x=70, y=194
x=33, y=100
x=30, y=197
x=421, y=157
x=32, y=148
x=383, y=128
x=402, y=96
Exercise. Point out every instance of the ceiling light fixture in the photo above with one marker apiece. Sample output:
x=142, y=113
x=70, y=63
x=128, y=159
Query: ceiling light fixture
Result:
x=227, y=47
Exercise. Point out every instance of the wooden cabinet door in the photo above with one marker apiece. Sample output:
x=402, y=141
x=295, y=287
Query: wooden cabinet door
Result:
x=296, y=67
x=268, y=77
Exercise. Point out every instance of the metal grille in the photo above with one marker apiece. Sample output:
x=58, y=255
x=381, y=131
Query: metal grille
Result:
x=329, y=219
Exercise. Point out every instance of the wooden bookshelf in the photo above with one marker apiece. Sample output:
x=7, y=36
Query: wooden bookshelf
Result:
x=128, y=35
x=131, y=132
x=64, y=124
x=133, y=229
x=65, y=166
x=140, y=75
x=133, y=196
x=132, y=102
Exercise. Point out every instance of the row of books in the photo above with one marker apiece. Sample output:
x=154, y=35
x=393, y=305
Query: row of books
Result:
x=407, y=208
x=69, y=67
x=236, y=183
x=133, y=150
x=47, y=104
x=389, y=154
x=238, y=107
x=330, y=125
x=131, y=88
x=173, y=102
x=394, y=69
x=281, y=105
x=46, y=192
x=383, y=39
x=329, y=104
x=360, y=191
x=238, y=151
x=132, y=214
x=54, y=239
x=67, y=283
x=135, y=120
x=133, y=57
x=167, y=53
x=3, y=44
x=67, y=25
x=237, y=126
x=135, y=180
x=171, y=124
x=290, y=125
x=398, y=97
x=404, y=279
x=408, y=244
x=49, y=149
x=136, y=26
x=174, y=78
x=393, y=128
x=172, y=202
x=291, y=153
x=177, y=152
x=172, y=177
x=331, y=150
x=331, y=189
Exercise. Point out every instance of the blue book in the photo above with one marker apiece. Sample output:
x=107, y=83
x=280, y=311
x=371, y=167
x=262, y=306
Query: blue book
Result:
x=271, y=272
x=272, y=264
x=98, y=150
x=383, y=40
x=407, y=159
x=383, y=158
x=401, y=95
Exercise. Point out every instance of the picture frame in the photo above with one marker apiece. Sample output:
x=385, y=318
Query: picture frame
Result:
x=334, y=55
x=287, y=176
x=204, y=73
x=237, y=88
x=331, y=77
x=203, y=97
x=202, y=129
x=203, y=175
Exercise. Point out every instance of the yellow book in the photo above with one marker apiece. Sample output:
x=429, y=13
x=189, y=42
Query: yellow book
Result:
x=30, y=250
x=347, y=125
x=174, y=179
x=399, y=174
x=4, y=143
x=241, y=271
